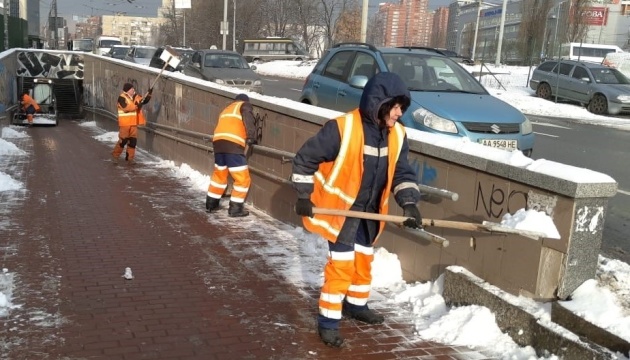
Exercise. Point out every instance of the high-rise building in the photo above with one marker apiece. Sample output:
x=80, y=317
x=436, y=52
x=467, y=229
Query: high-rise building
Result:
x=440, y=26
x=408, y=23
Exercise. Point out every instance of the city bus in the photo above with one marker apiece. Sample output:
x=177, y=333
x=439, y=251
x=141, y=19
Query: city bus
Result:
x=273, y=48
x=587, y=52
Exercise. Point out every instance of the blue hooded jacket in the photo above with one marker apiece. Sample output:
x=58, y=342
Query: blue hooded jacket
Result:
x=324, y=147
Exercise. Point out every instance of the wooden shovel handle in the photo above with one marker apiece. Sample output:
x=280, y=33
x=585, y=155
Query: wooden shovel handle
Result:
x=495, y=228
x=380, y=217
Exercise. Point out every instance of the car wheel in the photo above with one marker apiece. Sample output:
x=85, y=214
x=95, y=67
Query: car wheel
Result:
x=598, y=105
x=544, y=91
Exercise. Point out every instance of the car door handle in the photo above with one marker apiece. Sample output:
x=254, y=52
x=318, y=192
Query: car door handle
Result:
x=341, y=93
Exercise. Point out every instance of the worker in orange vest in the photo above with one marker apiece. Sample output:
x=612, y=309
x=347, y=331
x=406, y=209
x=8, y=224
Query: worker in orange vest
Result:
x=29, y=106
x=235, y=131
x=354, y=162
x=130, y=116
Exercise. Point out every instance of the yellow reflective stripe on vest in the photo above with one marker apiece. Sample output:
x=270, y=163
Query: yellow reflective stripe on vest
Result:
x=339, y=163
x=230, y=126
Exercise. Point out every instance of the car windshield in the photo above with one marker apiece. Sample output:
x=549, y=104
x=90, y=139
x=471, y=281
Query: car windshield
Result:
x=225, y=61
x=119, y=50
x=422, y=72
x=83, y=45
x=109, y=43
x=144, y=53
x=609, y=76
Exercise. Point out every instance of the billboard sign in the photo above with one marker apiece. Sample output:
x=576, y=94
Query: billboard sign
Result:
x=597, y=16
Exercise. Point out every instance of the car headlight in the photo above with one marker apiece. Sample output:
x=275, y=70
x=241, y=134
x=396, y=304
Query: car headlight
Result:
x=623, y=97
x=219, y=81
x=526, y=127
x=257, y=83
x=424, y=117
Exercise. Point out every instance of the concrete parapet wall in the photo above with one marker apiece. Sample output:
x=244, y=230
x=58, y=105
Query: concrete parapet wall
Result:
x=182, y=116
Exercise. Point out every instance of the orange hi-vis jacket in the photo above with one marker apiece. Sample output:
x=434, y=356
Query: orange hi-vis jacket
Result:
x=230, y=126
x=28, y=101
x=337, y=183
x=130, y=115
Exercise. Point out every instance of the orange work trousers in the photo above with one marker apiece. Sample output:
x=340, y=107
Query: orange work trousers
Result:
x=347, y=278
x=236, y=166
x=127, y=136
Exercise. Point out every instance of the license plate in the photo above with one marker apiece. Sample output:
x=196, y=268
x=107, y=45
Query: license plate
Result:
x=501, y=144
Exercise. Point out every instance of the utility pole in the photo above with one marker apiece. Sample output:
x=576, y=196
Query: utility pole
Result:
x=364, y=15
x=224, y=25
x=234, y=27
x=497, y=60
x=56, y=35
x=476, y=31
x=6, y=24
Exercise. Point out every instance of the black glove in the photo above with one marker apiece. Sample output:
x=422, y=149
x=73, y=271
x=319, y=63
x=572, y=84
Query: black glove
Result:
x=304, y=207
x=250, y=141
x=414, y=220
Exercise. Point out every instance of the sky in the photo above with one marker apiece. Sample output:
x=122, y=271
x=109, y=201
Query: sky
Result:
x=602, y=300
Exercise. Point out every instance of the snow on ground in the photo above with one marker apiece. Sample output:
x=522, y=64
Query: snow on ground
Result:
x=602, y=300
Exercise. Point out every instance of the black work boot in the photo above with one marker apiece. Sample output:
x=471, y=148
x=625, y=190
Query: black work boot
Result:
x=330, y=337
x=237, y=210
x=364, y=315
x=211, y=204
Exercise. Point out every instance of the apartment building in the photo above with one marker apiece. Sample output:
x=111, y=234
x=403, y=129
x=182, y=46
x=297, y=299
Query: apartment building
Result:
x=407, y=23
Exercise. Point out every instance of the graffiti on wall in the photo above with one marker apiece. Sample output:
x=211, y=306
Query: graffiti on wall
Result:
x=495, y=201
x=49, y=65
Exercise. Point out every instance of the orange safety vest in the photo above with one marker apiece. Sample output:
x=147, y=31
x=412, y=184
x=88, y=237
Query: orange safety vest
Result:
x=137, y=98
x=230, y=126
x=129, y=115
x=28, y=101
x=337, y=183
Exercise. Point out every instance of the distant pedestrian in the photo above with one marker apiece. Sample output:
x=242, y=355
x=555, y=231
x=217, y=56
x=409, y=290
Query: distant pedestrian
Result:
x=29, y=106
x=234, y=134
x=130, y=116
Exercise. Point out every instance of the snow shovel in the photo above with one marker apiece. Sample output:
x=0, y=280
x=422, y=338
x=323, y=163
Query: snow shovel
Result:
x=170, y=57
x=485, y=227
x=398, y=220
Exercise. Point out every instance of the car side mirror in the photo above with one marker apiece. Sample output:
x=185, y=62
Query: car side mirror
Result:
x=588, y=80
x=253, y=67
x=358, y=81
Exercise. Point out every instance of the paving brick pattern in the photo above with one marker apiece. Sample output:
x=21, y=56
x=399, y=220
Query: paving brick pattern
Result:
x=200, y=288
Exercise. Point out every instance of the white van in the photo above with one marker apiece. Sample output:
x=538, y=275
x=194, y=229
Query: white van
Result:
x=619, y=61
x=103, y=43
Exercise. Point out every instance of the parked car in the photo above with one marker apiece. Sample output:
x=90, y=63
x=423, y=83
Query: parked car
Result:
x=602, y=89
x=448, y=53
x=118, y=51
x=140, y=54
x=184, y=57
x=445, y=98
x=225, y=68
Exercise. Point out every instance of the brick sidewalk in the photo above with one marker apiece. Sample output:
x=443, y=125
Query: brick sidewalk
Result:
x=201, y=289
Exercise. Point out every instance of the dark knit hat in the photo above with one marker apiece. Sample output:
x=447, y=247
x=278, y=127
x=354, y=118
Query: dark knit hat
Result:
x=242, y=97
x=127, y=87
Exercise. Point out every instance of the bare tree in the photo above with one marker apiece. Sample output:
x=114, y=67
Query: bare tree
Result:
x=349, y=24
x=574, y=25
x=330, y=11
x=531, y=35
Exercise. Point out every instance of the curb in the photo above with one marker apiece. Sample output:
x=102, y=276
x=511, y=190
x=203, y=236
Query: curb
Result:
x=526, y=328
